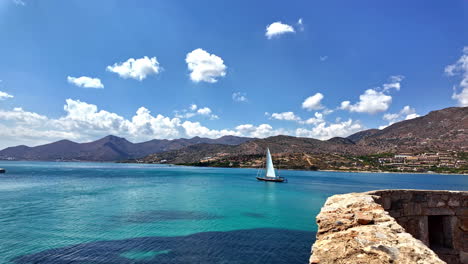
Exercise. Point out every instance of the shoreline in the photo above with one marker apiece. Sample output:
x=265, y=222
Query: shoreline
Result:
x=182, y=165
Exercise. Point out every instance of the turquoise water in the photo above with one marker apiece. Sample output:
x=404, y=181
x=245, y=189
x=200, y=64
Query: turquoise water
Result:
x=56, y=213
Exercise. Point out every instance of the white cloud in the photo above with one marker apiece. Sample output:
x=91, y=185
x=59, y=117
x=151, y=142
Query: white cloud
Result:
x=288, y=116
x=317, y=119
x=371, y=102
x=205, y=67
x=395, y=83
x=411, y=116
x=194, y=110
x=405, y=113
x=261, y=131
x=204, y=111
x=313, y=102
x=278, y=28
x=375, y=100
x=460, y=67
x=239, y=97
x=23, y=117
x=86, y=82
x=4, y=95
x=300, y=24
x=137, y=69
x=324, y=131
x=83, y=121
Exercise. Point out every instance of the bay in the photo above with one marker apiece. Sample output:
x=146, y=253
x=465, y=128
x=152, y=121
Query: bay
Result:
x=57, y=212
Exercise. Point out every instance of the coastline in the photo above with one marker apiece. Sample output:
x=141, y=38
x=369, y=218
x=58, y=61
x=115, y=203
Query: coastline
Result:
x=171, y=164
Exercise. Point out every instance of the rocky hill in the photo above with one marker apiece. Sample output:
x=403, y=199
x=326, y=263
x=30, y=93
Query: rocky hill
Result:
x=445, y=129
x=109, y=148
x=441, y=130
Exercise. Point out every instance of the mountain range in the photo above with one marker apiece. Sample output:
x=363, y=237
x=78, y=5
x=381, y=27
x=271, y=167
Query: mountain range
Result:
x=109, y=148
x=441, y=130
x=445, y=129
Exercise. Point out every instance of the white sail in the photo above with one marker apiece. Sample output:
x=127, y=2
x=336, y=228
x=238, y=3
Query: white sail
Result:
x=270, y=170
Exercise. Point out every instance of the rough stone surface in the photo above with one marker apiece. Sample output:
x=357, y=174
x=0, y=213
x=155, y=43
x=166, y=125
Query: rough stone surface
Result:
x=384, y=227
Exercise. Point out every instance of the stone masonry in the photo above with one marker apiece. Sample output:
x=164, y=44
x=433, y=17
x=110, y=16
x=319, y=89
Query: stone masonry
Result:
x=393, y=226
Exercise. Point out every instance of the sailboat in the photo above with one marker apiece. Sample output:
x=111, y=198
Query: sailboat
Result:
x=270, y=174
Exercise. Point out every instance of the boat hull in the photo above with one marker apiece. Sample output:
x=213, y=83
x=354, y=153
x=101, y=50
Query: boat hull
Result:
x=280, y=179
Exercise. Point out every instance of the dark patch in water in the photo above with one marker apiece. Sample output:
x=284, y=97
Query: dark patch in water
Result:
x=266, y=245
x=254, y=215
x=167, y=215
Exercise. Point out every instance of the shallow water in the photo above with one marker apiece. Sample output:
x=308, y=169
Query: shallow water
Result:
x=58, y=213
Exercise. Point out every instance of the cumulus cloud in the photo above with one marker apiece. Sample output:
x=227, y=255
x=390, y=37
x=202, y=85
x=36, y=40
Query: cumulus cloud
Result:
x=261, y=131
x=375, y=100
x=137, y=69
x=325, y=131
x=371, y=102
x=23, y=117
x=313, y=102
x=405, y=113
x=205, y=67
x=395, y=83
x=239, y=97
x=460, y=68
x=86, y=82
x=82, y=121
x=288, y=116
x=317, y=119
x=4, y=95
x=194, y=110
x=278, y=28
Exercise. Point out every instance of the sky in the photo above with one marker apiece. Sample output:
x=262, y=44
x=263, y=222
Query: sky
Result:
x=84, y=69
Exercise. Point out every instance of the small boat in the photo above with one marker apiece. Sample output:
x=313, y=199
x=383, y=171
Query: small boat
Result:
x=2, y=170
x=270, y=174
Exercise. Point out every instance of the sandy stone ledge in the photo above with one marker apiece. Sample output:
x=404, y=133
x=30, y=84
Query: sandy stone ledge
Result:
x=354, y=228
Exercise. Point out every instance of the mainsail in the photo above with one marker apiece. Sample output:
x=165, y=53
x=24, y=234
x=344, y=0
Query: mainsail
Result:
x=270, y=170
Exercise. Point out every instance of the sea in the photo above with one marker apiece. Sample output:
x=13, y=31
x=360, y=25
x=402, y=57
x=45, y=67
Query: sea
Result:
x=109, y=213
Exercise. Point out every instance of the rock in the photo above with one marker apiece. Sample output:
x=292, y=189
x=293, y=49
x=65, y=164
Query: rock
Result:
x=364, y=219
x=464, y=257
x=370, y=236
x=314, y=260
x=453, y=203
x=464, y=224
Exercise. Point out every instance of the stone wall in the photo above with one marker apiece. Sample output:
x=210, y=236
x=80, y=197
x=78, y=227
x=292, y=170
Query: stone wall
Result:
x=356, y=228
x=438, y=218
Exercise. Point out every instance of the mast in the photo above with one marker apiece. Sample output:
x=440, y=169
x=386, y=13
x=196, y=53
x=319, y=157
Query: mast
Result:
x=270, y=170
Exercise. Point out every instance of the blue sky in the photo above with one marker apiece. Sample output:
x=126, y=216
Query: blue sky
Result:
x=169, y=69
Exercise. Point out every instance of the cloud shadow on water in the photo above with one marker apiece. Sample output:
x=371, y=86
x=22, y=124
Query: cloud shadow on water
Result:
x=264, y=245
x=166, y=215
x=254, y=215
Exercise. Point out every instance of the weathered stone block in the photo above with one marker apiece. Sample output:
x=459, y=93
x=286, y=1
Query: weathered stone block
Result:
x=464, y=257
x=419, y=197
x=438, y=211
x=453, y=202
x=463, y=224
x=462, y=211
x=387, y=203
x=363, y=218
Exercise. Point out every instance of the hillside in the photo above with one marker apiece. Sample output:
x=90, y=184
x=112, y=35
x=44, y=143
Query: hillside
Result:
x=443, y=130
x=109, y=148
